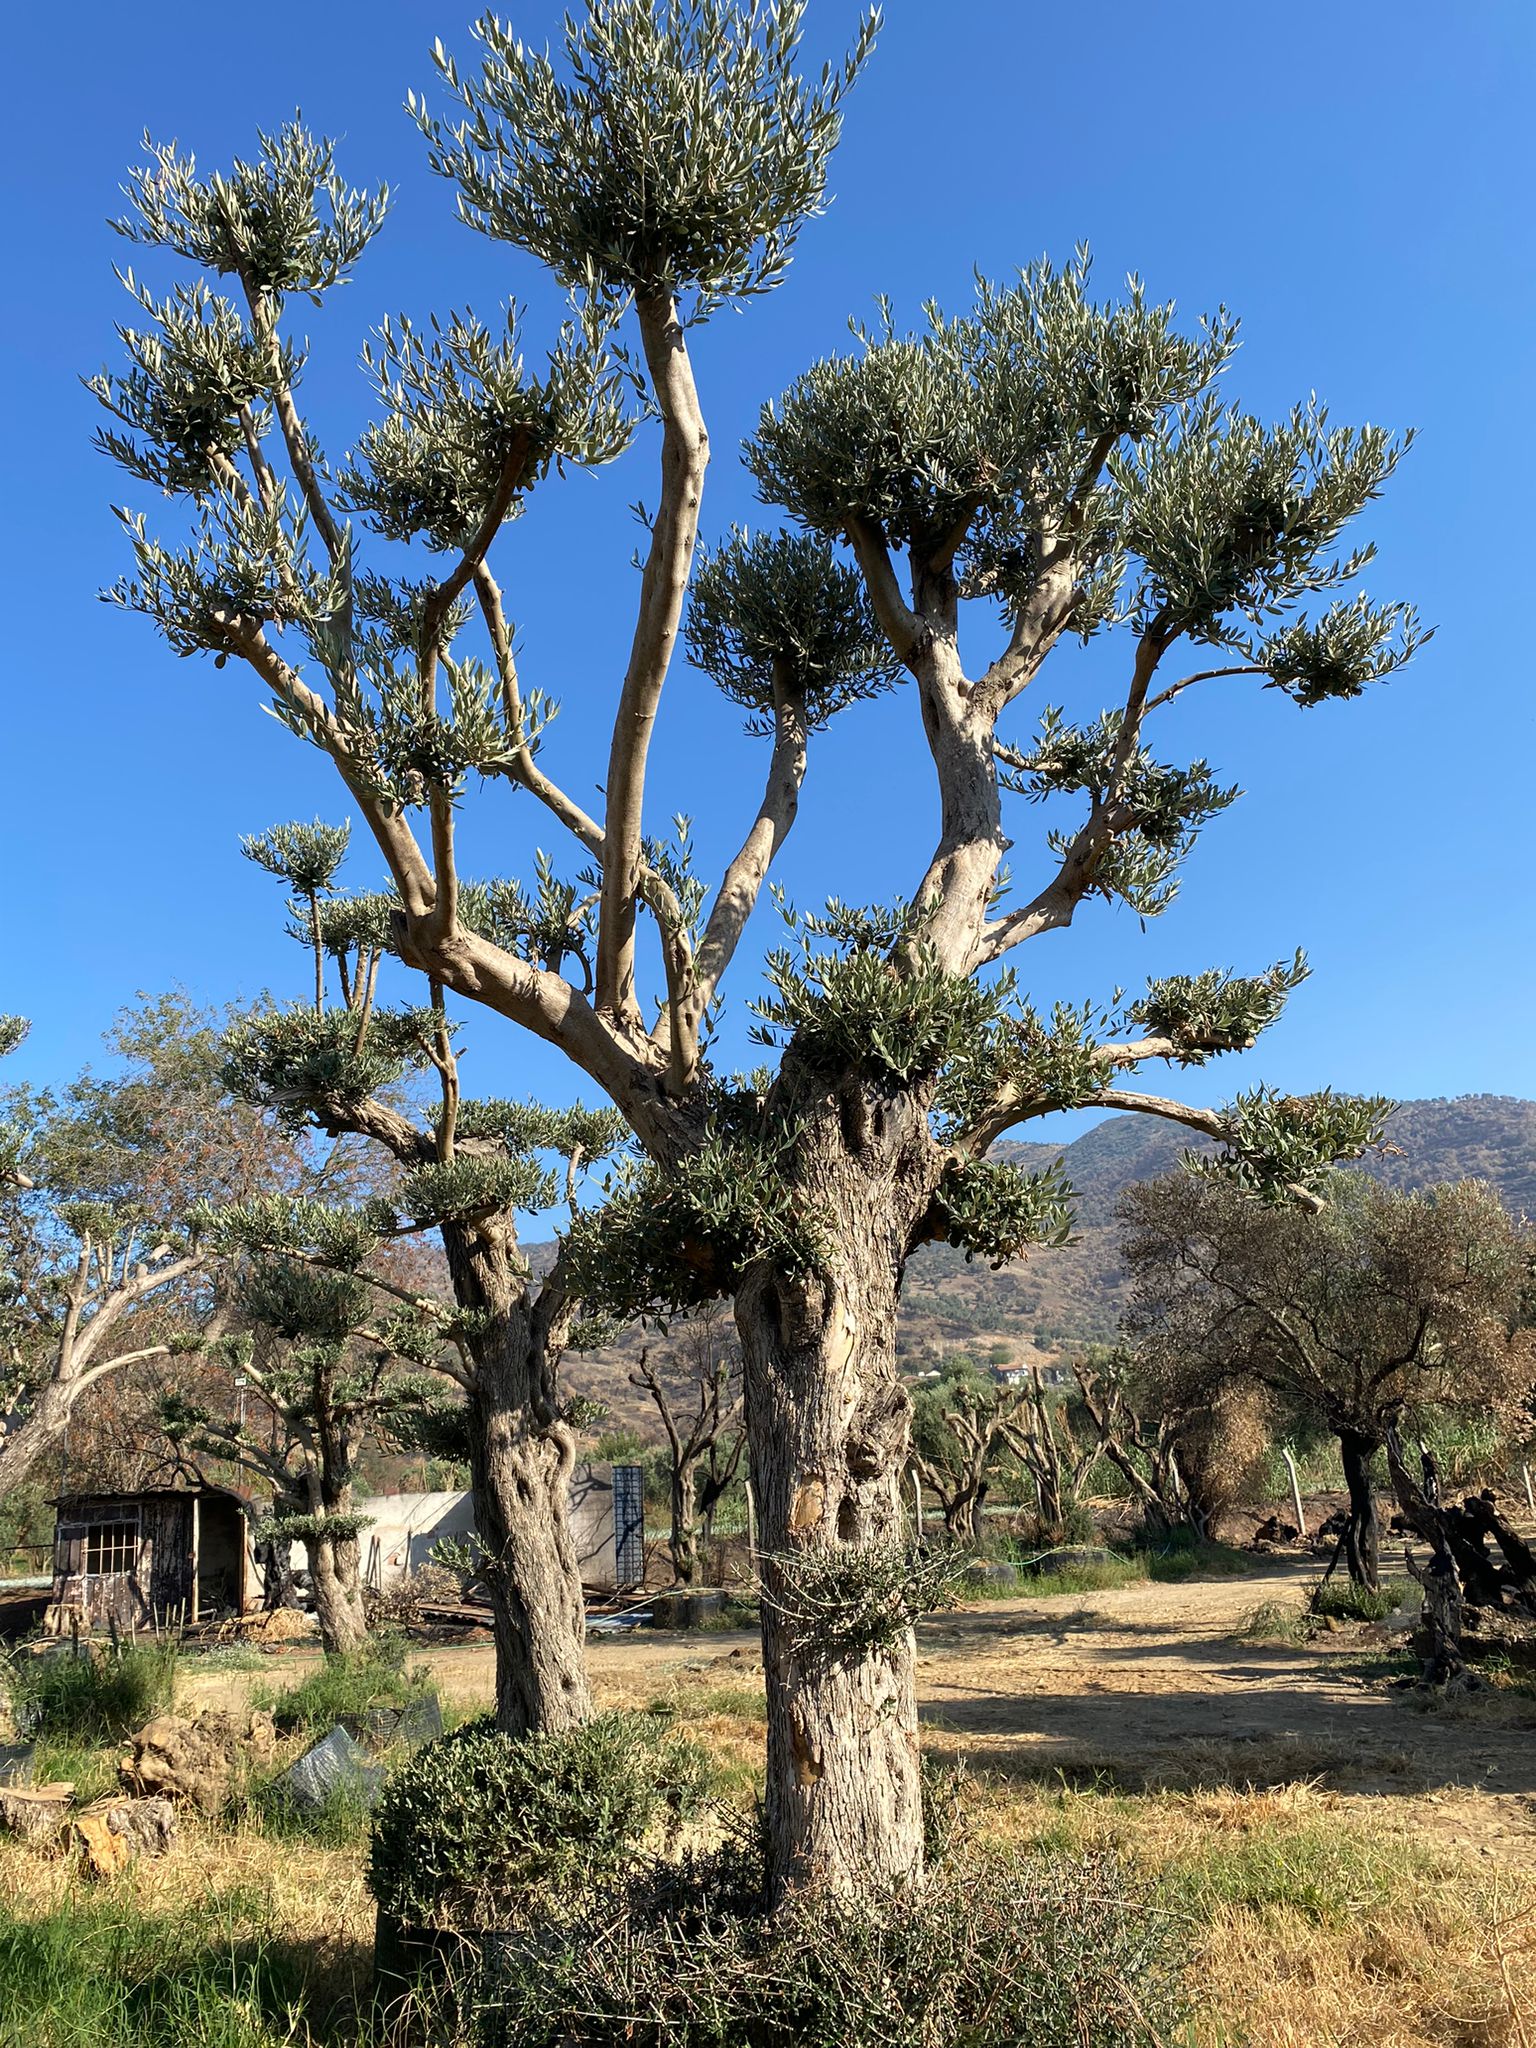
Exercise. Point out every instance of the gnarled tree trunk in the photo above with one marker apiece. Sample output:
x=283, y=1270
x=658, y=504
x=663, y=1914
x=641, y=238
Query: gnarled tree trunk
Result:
x=828, y=1422
x=1362, y=1536
x=521, y=1456
x=337, y=1582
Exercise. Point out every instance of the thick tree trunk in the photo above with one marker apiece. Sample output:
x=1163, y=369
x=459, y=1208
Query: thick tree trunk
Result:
x=334, y=1574
x=29, y=1437
x=1362, y=1537
x=828, y=1424
x=521, y=1456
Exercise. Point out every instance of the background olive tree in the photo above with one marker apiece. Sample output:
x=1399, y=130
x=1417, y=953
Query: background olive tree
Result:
x=1051, y=465
x=351, y=1062
x=1378, y=1305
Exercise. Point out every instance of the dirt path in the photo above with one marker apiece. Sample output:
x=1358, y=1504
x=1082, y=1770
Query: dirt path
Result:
x=1145, y=1686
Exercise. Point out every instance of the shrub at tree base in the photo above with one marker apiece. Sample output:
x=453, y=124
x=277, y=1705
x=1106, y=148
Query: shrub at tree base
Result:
x=481, y=1826
x=1059, y=1953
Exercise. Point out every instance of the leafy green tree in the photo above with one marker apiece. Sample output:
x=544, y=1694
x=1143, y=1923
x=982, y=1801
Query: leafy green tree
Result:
x=1056, y=460
x=98, y=1272
x=346, y=1066
x=1380, y=1303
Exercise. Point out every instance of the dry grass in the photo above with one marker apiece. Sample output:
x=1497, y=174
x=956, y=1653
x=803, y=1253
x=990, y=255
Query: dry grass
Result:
x=1318, y=1921
x=1373, y=1906
x=316, y=1894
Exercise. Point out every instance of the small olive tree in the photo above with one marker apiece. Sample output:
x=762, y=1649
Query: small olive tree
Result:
x=1047, y=463
x=1379, y=1303
x=319, y=1385
x=463, y=1169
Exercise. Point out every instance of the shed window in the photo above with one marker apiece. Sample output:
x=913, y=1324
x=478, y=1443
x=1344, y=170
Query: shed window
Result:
x=111, y=1547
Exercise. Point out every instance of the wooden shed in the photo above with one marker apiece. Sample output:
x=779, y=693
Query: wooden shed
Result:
x=140, y=1560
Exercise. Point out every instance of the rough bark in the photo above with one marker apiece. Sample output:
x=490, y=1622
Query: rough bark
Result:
x=29, y=1438
x=339, y=1610
x=828, y=1420
x=521, y=1455
x=683, y=1541
x=1362, y=1536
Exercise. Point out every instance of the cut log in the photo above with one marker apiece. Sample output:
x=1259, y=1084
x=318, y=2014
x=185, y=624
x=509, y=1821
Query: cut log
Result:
x=111, y=1832
x=35, y=1813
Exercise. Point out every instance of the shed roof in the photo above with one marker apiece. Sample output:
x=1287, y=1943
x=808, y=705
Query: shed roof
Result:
x=96, y=1498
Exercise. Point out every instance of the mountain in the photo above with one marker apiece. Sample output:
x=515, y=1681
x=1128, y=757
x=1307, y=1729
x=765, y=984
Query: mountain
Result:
x=1072, y=1295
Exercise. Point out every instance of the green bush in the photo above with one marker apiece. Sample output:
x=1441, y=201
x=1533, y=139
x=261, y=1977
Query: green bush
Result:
x=371, y=1677
x=101, y=1696
x=479, y=1825
x=1058, y=1952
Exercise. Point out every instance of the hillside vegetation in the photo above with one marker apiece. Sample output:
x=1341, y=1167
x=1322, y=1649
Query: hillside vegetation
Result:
x=1056, y=1299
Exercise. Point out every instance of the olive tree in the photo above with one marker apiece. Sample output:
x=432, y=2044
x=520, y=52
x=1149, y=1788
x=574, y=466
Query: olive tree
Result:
x=98, y=1271
x=1059, y=464
x=461, y=1168
x=1379, y=1303
x=319, y=1383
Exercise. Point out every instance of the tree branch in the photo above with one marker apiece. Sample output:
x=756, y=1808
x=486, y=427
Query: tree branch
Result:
x=663, y=587
x=743, y=879
x=1204, y=675
x=900, y=624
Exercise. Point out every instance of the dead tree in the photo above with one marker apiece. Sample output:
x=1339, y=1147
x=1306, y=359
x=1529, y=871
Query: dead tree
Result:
x=696, y=1390
x=1041, y=1437
x=1460, y=1534
x=1144, y=1449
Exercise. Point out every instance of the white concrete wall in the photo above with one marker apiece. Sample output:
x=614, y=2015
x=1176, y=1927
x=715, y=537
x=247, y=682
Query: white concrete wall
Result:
x=403, y=1527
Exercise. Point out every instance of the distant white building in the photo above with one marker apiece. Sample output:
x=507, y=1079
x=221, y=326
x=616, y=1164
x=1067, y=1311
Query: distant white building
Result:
x=607, y=1517
x=1019, y=1375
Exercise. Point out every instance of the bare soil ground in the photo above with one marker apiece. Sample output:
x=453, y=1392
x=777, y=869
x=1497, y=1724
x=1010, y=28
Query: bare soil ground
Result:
x=1148, y=1687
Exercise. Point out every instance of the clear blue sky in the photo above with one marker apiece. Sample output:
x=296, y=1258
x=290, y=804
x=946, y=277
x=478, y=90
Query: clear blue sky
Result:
x=1350, y=179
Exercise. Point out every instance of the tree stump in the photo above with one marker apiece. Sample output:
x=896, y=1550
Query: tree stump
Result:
x=111, y=1832
x=35, y=1813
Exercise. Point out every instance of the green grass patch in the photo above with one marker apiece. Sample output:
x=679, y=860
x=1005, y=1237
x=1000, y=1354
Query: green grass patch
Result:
x=100, y=1696
x=1085, y=1575
x=216, y=1975
x=1274, y=1621
x=735, y=1702
x=1346, y=1601
x=90, y=1769
x=1176, y=1560
x=374, y=1677
x=1327, y=1875
x=342, y=1821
